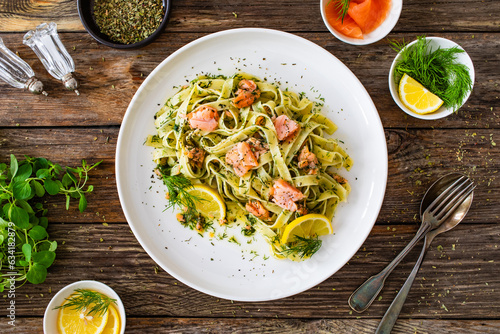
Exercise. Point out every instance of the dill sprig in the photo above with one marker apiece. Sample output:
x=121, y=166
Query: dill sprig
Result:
x=303, y=247
x=437, y=70
x=82, y=299
x=342, y=7
x=179, y=196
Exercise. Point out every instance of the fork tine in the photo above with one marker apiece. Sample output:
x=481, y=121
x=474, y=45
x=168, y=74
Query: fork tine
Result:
x=445, y=192
x=457, y=200
x=452, y=194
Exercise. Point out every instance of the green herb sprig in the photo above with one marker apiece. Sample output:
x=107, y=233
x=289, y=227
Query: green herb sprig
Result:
x=179, y=196
x=303, y=247
x=437, y=70
x=82, y=300
x=342, y=6
x=25, y=247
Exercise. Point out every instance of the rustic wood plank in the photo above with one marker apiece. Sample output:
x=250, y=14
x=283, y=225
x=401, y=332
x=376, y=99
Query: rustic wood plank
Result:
x=277, y=326
x=416, y=159
x=457, y=280
x=109, y=78
x=296, y=15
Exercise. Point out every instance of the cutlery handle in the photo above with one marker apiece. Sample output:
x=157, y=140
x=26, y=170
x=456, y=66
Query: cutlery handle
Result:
x=392, y=313
x=364, y=296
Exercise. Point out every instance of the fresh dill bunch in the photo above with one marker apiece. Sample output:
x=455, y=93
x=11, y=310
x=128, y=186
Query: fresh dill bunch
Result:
x=303, y=247
x=83, y=299
x=437, y=70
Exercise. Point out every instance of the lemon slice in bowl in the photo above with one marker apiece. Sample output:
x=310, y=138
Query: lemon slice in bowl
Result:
x=305, y=227
x=416, y=97
x=71, y=321
x=209, y=202
x=113, y=323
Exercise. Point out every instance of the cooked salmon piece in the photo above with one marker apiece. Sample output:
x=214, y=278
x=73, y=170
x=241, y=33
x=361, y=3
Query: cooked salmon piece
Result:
x=246, y=94
x=196, y=156
x=257, y=209
x=241, y=158
x=285, y=127
x=258, y=147
x=285, y=195
x=308, y=160
x=204, y=118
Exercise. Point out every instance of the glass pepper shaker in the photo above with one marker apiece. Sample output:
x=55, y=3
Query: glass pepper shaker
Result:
x=45, y=42
x=17, y=73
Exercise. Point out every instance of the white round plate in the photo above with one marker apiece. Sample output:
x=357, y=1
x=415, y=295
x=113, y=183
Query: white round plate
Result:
x=50, y=316
x=376, y=35
x=218, y=267
x=435, y=42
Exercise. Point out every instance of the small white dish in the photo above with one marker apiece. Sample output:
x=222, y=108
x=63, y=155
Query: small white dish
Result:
x=383, y=30
x=50, y=316
x=444, y=111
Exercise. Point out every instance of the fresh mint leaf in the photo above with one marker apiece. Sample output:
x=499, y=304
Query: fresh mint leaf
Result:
x=42, y=173
x=44, y=258
x=82, y=205
x=19, y=217
x=39, y=189
x=51, y=186
x=37, y=233
x=27, y=252
x=36, y=274
x=13, y=166
x=24, y=171
x=21, y=189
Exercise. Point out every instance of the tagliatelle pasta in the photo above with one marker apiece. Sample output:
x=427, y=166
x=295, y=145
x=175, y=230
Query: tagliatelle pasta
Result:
x=263, y=149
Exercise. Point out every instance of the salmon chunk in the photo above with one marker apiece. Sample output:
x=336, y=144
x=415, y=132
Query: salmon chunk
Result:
x=246, y=94
x=285, y=195
x=258, y=147
x=308, y=160
x=204, y=118
x=257, y=209
x=196, y=156
x=241, y=158
x=285, y=127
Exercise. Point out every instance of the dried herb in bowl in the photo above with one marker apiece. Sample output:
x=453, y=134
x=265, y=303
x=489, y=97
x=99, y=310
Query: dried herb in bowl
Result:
x=128, y=21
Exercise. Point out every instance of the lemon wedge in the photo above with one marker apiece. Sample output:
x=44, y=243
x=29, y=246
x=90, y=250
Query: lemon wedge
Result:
x=210, y=204
x=307, y=226
x=416, y=97
x=71, y=321
x=113, y=323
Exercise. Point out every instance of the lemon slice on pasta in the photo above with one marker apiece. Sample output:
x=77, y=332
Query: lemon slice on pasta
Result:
x=210, y=203
x=307, y=226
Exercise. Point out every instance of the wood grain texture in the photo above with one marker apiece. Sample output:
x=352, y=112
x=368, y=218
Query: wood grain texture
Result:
x=279, y=326
x=109, y=78
x=456, y=280
x=416, y=159
x=296, y=15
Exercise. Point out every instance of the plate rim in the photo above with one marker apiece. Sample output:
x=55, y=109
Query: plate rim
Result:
x=128, y=113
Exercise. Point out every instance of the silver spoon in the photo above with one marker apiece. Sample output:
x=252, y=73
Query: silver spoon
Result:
x=392, y=313
x=364, y=296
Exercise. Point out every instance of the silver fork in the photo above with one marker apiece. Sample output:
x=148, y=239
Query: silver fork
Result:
x=435, y=214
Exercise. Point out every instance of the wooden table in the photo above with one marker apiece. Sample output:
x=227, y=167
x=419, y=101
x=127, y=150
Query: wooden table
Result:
x=457, y=288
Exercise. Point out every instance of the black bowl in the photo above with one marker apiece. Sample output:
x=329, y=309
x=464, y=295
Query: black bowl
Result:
x=86, y=13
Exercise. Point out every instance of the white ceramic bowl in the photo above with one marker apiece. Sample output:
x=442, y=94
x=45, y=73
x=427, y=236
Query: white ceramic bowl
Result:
x=50, y=316
x=383, y=30
x=435, y=42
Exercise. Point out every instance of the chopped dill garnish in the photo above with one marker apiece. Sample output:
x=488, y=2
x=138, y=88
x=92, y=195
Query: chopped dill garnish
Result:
x=342, y=7
x=303, y=247
x=82, y=299
x=437, y=70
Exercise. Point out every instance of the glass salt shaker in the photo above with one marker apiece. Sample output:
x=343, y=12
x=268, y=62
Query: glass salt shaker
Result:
x=17, y=73
x=45, y=42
